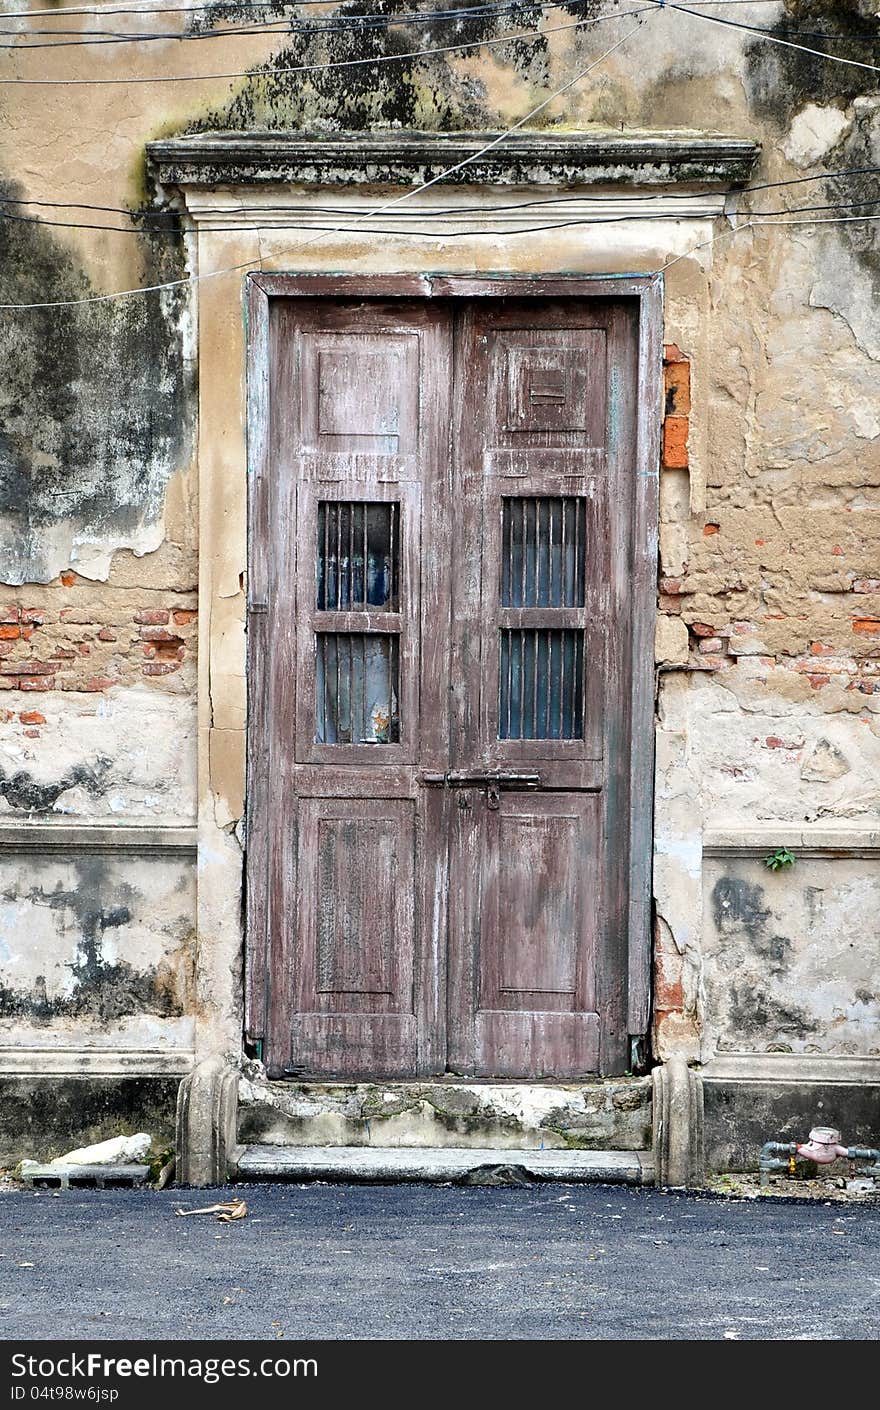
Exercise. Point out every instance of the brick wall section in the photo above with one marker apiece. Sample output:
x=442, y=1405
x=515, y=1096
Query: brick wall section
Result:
x=786, y=587
x=676, y=407
x=779, y=577
x=83, y=636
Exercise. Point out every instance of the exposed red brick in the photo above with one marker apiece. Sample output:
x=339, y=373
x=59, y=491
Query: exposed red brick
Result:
x=675, y=442
x=711, y=644
x=32, y=717
x=68, y=578
x=63, y=654
x=36, y=683
x=153, y=617
x=702, y=629
x=98, y=683
x=30, y=668
x=183, y=616
x=105, y=634
x=10, y=613
x=817, y=681
x=710, y=529
x=677, y=384
x=668, y=988
x=673, y=353
x=9, y=633
x=866, y=585
x=157, y=634
x=837, y=551
x=868, y=626
x=672, y=585
x=669, y=604
x=34, y=615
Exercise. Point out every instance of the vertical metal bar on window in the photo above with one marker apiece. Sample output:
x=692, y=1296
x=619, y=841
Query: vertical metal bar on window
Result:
x=364, y=569
x=509, y=644
x=577, y=553
x=536, y=554
x=337, y=516
x=393, y=692
x=325, y=594
x=393, y=587
x=534, y=732
x=562, y=702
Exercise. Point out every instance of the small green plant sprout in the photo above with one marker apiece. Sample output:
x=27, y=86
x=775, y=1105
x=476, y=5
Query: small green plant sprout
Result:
x=779, y=859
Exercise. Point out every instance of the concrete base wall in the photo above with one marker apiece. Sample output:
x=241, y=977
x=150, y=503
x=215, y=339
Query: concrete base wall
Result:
x=41, y=1117
x=741, y=1115
x=614, y=1114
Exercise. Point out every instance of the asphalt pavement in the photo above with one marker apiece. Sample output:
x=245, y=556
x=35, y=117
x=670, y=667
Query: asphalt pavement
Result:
x=557, y=1262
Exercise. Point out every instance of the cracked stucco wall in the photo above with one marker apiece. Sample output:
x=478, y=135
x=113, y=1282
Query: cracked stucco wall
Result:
x=769, y=637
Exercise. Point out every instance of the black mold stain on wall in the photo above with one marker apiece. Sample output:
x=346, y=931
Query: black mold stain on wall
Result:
x=96, y=405
x=103, y=990
x=408, y=93
x=780, y=82
x=22, y=791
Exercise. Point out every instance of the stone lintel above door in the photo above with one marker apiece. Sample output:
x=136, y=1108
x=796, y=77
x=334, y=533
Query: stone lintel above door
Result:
x=406, y=158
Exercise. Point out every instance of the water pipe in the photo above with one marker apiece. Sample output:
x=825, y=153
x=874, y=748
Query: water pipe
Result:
x=823, y=1147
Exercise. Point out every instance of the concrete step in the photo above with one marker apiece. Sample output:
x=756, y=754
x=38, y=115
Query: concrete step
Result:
x=393, y=1164
x=601, y=1114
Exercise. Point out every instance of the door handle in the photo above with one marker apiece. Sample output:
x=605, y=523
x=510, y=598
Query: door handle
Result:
x=482, y=778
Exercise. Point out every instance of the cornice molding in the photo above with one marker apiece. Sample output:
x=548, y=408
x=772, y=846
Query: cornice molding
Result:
x=393, y=158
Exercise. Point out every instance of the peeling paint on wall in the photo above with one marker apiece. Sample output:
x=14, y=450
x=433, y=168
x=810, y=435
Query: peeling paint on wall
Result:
x=96, y=407
x=93, y=941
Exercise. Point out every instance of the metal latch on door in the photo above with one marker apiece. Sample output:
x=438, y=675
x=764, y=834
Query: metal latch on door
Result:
x=493, y=781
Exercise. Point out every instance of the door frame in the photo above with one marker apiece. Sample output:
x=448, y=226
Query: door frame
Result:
x=647, y=290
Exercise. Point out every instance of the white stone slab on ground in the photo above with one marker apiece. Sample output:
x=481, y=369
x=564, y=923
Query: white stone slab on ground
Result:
x=393, y=1164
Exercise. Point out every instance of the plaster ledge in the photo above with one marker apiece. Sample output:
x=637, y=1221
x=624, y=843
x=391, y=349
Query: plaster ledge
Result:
x=409, y=158
x=17, y=836
x=821, y=839
x=21, y=1061
x=791, y=1067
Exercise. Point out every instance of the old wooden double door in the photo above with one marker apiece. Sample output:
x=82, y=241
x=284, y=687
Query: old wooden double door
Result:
x=446, y=711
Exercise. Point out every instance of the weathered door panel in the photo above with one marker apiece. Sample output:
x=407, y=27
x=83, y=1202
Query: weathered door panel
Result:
x=449, y=644
x=360, y=413
x=543, y=468
x=539, y=924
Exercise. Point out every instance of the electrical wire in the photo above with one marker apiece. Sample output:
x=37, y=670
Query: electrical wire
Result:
x=339, y=22
x=270, y=222
x=217, y=6
x=526, y=36
x=643, y=198
x=323, y=24
x=765, y=34
x=190, y=279
x=45, y=12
